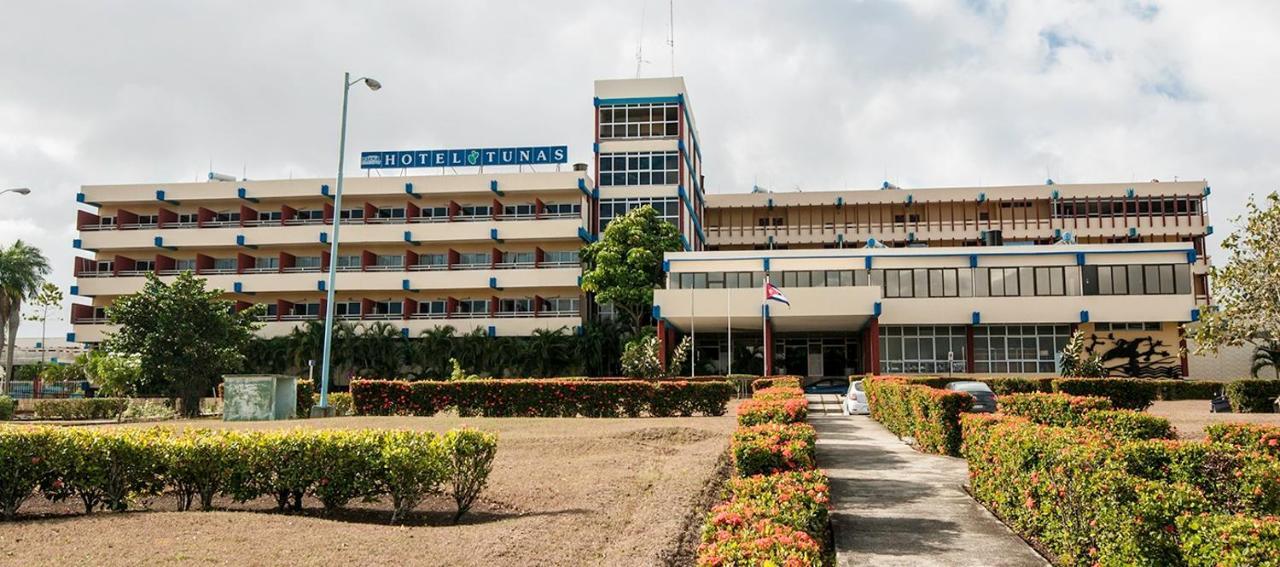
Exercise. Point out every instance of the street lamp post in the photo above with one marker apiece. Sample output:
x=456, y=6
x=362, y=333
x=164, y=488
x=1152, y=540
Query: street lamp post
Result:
x=325, y=366
x=18, y=190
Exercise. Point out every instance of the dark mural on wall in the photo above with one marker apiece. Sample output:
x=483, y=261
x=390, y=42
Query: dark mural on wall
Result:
x=1141, y=357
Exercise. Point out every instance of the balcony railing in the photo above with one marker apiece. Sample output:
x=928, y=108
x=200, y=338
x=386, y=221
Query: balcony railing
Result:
x=94, y=274
x=301, y=270
x=383, y=316
x=348, y=268
x=263, y=222
x=427, y=267
x=181, y=225
x=428, y=315
x=513, y=314
x=137, y=225
x=385, y=220
x=133, y=273
x=474, y=266
x=220, y=223
x=300, y=222
x=217, y=271
x=97, y=227
x=300, y=317
x=391, y=268
x=472, y=218
x=562, y=313
x=513, y=265
x=91, y=321
x=428, y=219
x=263, y=270
x=559, y=264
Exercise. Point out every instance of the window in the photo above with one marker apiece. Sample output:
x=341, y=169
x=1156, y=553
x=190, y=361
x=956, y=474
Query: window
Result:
x=352, y=214
x=515, y=305
x=349, y=263
x=639, y=121
x=307, y=309
x=224, y=264
x=144, y=266
x=309, y=215
x=266, y=263
x=562, y=209
x=559, y=305
x=390, y=213
x=668, y=208
x=518, y=211
x=435, y=307
x=1050, y=280
x=475, y=211
x=473, y=259
x=433, y=261
x=434, y=213
x=1001, y=349
x=307, y=262
x=640, y=168
x=144, y=220
x=227, y=217
x=1149, y=279
x=390, y=307
x=560, y=257
x=518, y=258
x=181, y=265
x=922, y=349
x=184, y=218
x=1003, y=282
x=389, y=260
x=473, y=307
x=347, y=308
x=900, y=283
x=1105, y=327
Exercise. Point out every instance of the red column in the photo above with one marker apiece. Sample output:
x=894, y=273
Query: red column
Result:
x=968, y=347
x=662, y=343
x=875, y=346
x=768, y=347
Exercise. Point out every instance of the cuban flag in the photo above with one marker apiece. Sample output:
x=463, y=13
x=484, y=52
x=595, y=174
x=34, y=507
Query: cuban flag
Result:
x=772, y=293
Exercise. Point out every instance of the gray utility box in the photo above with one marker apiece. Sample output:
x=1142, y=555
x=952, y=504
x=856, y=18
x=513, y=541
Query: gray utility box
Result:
x=259, y=397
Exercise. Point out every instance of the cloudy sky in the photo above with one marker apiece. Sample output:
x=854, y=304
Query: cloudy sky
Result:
x=811, y=95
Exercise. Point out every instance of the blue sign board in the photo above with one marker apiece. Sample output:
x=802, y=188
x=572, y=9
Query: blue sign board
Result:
x=473, y=157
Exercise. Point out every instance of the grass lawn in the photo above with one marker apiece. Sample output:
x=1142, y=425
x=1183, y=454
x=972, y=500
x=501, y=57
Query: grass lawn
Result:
x=563, y=492
x=1190, y=416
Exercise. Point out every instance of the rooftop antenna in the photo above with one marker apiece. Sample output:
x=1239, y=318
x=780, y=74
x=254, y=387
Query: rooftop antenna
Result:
x=644, y=6
x=671, y=34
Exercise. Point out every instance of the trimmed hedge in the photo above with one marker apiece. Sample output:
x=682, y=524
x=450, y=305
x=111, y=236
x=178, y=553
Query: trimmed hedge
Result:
x=1093, y=501
x=778, y=519
x=1124, y=393
x=929, y=415
x=306, y=397
x=1249, y=436
x=1253, y=396
x=7, y=408
x=1129, y=424
x=779, y=393
x=542, y=398
x=1051, y=409
x=109, y=469
x=775, y=381
x=773, y=448
x=81, y=408
x=1213, y=540
x=758, y=411
x=1173, y=390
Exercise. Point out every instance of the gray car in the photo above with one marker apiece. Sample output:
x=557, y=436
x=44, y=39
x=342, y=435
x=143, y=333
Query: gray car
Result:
x=984, y=400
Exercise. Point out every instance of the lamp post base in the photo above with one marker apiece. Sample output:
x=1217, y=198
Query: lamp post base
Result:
x=317, y=411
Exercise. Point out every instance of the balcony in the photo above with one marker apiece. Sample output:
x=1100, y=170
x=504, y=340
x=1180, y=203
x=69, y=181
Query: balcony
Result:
x=303, y=222
x=264, y=270
x=301, y=270
x=263, y=222
x=427, y=267
x=133, y=273
x=216, y=271
x=386, y=268
x=137, y=225
x=513, y=265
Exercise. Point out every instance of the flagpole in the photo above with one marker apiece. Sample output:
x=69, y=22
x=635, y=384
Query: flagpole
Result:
x=764, y=330
x=693, y=336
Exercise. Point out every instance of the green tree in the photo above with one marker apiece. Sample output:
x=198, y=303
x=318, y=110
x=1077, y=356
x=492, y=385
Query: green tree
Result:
x=1246, y=290
x=1266, y=356
x=185, y=335
x=625, y=265
x=115, y=375
x=1078, y=362
x=22, y=270
x=48, y=297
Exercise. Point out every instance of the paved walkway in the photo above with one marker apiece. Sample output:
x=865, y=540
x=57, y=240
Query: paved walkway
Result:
x=893, y=505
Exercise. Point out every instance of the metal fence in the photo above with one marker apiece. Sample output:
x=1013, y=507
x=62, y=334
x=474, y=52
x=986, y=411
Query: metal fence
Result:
x=28, y=389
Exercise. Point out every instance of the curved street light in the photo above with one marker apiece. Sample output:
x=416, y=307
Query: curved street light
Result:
x=18, y=190
x=325, y=367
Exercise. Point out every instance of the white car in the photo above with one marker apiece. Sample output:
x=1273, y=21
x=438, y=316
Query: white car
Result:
x=855, y=400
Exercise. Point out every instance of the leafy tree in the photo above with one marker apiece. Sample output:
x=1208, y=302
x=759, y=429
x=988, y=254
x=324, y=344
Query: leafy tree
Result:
x=48, y=297
x=1246, y=289
x=115, y=375
x=640, y=358
x=22, y=270
x=625, y=265
x=1078, y=362
x=1266, y=356
x=185, y=335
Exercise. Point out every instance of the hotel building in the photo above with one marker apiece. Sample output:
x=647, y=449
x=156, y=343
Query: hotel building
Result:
x=984, y=280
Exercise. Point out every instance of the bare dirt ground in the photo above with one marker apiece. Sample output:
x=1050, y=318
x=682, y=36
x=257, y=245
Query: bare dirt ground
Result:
x=562, y=492
x=1190, y=416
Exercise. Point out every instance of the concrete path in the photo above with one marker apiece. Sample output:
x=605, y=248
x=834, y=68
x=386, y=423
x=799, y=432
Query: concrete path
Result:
x=893, y=505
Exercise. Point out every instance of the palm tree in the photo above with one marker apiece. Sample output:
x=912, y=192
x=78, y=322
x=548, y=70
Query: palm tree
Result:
x=430, y=354
x=1266, y=356
x=22, y=270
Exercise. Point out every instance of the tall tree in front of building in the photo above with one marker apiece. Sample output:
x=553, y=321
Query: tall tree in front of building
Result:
x=46, y=298
x=22, y=270
x=624, y=266
x=1246, y=289
x=185, y=336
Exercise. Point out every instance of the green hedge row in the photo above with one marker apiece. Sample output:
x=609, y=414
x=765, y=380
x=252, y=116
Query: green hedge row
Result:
x=1250, y=436
x=778, y=519
x=929, y=415
x=1064, y=410
x=1253, y=396
x=7, y=408
x=1213, y=540
x=542, y=398
x=110, y=469
x=771, y=448
x=1091, y=500
x=774, y=405
x=775, y=382
x=81, y=408
x=1116, y=389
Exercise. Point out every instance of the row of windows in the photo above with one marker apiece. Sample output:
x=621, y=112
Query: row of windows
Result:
x=558, y=257
x=432, y=307
x=640, y=168
x=1104, y=327
x=639, y=121
x=668, y=208
x=1126, y=207
x=441, y=212
x=922, y=349
x=1148, y=279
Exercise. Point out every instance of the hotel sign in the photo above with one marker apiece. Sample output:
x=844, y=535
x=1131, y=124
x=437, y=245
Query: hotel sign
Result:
x=473, y=157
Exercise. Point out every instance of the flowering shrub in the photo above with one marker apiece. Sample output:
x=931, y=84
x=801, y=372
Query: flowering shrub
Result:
x=112, y=469
x=1251, y=436
x=735, y=540
x=1232, y=480
x=779, y=393
x=1052, y=409
x=772, y=448
x=1188, y=389
x=1252, y=396
x=783, y=381
x=1213, y=540
x=542, y=398
x=929, y=415
x=1124, y=393
x=757, y=411
x=799, y=499
x=81, y=408
x=1127, y=424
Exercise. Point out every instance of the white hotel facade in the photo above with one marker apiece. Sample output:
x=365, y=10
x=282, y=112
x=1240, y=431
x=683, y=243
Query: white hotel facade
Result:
x=971, y=280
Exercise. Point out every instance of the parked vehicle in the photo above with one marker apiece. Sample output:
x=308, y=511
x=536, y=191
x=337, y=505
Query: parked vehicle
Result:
x=855, y=400
x=828, y=386
x=984, y=400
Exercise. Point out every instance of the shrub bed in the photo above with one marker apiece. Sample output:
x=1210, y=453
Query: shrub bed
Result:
x=779, y=393
x=774, y=381
x=7, y=408
x=81, y=408
x=1173, y=390
x=930, y=415
x=1253, y=396
x=1052, y=409
x=758, y=411
x=790, y=508
x=772, y=448
x=110, y=469
x=541, y=398
x=1212, y=540
x=1249, y=436
x=1124, y=393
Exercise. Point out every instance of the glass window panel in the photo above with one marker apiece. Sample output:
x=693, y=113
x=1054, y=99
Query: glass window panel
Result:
x=935, y=283
x=921, y=277
x=1135, y=280
x=1151, y=274
x=982, y=283
x=1025, y=277
x=965, y=280
x=1166, y=279
x=949, y=283
x=1182, y=279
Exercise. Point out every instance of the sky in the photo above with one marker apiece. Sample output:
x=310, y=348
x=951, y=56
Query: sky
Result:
x=806, y=95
